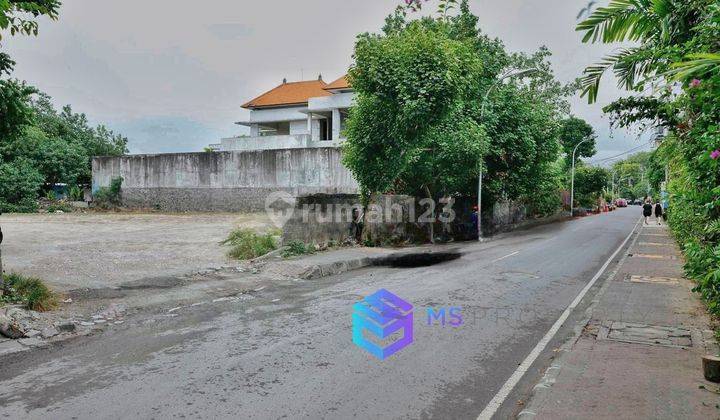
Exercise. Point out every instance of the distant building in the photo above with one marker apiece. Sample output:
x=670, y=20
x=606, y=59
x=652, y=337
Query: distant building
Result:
x=295, y=115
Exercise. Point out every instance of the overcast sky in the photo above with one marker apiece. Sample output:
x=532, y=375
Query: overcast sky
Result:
x=171, y=74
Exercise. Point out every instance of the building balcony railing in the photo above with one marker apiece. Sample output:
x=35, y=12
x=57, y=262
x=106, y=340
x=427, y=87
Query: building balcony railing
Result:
x=291, y=141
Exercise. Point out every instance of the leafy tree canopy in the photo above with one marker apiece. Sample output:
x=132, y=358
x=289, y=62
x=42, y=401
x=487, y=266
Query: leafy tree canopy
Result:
x=590, y=183
x=573, y=131
x=411, y=127
x=41, y=146
x=436, y=98
x=20, y=17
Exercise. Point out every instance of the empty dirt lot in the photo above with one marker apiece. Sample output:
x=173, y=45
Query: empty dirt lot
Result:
x=95, y=250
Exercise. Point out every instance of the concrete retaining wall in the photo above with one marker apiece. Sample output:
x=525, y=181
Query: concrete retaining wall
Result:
x=397, y=219
x=223, y=181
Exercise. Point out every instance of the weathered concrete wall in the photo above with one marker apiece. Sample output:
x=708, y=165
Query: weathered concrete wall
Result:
x=223, y=181
x=321, y=219
x=397, y=219
x=388, y=220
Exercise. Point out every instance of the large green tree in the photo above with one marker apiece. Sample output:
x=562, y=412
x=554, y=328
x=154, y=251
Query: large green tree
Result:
x=58, y=145
x=573, y=132
x=590, y=183
x=39, y=145
x=436, y=98
x=412, y=128
x=19, y=17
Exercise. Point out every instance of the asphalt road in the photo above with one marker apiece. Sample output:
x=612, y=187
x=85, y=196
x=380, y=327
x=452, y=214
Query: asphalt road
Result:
x=286, y=352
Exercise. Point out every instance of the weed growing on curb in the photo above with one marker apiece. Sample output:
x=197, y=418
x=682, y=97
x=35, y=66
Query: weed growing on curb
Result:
x=295, y=248
x=29, y=291
x=246, y=244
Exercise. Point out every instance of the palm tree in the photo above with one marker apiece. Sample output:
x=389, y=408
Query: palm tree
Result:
x=696, y=65
x=654, y=25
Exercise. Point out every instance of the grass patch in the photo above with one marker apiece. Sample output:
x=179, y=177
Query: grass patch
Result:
x=295, y=248
x=65, y=208
x=246, y=244
x=30, y=291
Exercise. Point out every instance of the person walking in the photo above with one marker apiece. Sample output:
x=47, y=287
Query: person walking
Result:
x=658, y=212
x=647, y=210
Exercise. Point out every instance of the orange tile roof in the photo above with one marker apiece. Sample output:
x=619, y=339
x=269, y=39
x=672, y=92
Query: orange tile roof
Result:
x=341, y=83
x=291, y=93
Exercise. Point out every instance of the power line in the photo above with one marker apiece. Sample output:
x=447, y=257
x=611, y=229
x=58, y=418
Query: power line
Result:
x=621, y=154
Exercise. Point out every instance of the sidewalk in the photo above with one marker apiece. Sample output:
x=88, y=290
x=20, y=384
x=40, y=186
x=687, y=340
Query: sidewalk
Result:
x=639, y=356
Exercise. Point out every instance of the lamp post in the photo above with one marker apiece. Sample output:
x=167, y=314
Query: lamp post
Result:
x=572, y=179
x=482, y=115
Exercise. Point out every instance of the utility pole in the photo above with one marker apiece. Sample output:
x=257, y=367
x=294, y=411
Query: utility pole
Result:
x=480, y=163
x=572, y=179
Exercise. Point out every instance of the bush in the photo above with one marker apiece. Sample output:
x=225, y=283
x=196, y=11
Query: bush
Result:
x=246, y=244
x=75, y=193
x=50, y=195
x=295, y=248
x=59, y=207
x=20, y=183
x=109, y=197
x=30, y=291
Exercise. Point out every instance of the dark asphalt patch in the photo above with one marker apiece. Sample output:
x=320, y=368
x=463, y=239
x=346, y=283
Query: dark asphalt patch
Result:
x=417, y=259
x=155, y=283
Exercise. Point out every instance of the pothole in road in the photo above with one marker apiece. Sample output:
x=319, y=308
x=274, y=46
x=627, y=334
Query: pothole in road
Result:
x=418, y=259
x=518, y=275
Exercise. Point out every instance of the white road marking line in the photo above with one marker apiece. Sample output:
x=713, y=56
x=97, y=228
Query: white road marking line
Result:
x=506, y=256
x=510, y=384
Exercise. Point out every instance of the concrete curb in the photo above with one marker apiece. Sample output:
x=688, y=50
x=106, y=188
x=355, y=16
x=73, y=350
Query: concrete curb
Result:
x=317, y=271
x=541, y=391
x=9, y=347
x=339, y=267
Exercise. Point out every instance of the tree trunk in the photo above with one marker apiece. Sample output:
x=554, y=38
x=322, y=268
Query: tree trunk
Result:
x=432, y=223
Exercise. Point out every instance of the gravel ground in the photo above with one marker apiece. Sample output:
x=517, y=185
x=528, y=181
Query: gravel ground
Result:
x=98, y=250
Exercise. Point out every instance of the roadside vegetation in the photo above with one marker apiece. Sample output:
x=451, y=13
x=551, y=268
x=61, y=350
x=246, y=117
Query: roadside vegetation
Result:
x=297, y=248
x=39, y=145
x=456, y=105
x=672, y=72
x=246, y=244
x=638, y=176
x=109, y=197
x=29, y=291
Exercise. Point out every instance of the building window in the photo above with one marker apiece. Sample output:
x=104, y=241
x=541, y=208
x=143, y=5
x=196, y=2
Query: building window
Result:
x=343, y=120
x=324, y=129
x=275, y=129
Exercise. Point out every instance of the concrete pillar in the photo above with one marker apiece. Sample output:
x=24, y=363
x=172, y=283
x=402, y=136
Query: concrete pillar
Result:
x=335, y=124
x=310, y=121
x=255, y=130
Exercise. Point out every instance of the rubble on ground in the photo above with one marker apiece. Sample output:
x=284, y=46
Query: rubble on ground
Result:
x=36, y=329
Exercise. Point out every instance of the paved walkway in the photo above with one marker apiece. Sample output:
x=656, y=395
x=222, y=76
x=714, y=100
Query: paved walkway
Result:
x=639, y=355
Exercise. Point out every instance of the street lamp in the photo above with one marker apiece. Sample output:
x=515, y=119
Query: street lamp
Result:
x=506, y=75
x=572, y=179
